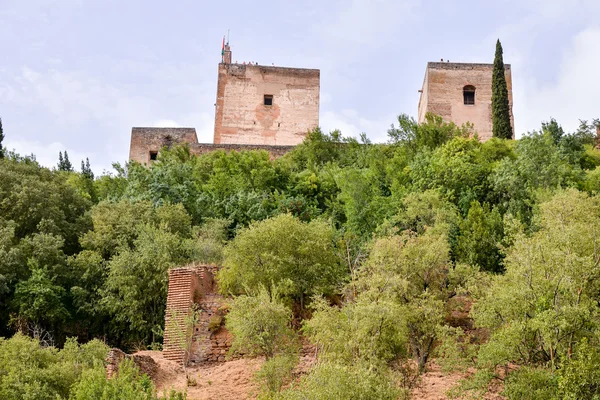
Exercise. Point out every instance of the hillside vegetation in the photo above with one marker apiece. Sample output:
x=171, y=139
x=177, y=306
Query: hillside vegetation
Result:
x=482, y=255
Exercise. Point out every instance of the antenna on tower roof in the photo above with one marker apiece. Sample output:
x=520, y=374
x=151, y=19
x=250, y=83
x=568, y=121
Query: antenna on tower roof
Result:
x=227, y=35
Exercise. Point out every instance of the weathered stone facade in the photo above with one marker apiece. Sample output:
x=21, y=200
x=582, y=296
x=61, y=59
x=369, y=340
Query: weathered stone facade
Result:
x=193, y=288
x=443, y=94
x=146, y=143
x=259, y=104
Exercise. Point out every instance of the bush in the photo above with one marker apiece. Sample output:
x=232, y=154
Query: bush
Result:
x=29, y=371
x=260, y=325
x=275, y=373
x=580, y=376
x=298, y=257
x=531, y=384
x=342, y=382
x=129, y=384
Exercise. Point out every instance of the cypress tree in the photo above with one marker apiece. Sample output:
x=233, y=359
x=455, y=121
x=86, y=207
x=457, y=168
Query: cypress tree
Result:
x=501, y=127
x=61, y=162
x=1, y=139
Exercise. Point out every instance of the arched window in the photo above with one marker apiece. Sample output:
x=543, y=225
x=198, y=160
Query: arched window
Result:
x=469, y=94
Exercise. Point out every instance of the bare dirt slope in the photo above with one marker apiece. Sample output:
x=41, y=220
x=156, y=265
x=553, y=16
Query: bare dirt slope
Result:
x=233, y=380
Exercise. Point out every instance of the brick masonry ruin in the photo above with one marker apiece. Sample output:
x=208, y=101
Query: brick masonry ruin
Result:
x=443, y=94
x=193, y=288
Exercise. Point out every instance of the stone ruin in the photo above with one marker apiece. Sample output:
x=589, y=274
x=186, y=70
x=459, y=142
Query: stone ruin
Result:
x=193, y=291
x=146, y=364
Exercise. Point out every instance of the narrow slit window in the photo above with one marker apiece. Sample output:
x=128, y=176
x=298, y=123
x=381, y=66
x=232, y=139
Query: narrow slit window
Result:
x=469, y=95
x=268, y=100
x=153, y=155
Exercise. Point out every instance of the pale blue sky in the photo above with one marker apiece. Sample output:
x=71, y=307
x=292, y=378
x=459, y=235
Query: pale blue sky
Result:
x=78, y=74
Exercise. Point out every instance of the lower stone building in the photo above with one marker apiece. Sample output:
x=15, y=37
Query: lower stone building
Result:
x=146, y=144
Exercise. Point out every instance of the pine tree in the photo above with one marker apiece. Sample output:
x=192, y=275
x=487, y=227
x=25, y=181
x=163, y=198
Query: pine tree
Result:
x=61, y=161
x=1, y=139
x=67, y=166
x=501, y=127
x=86, y=170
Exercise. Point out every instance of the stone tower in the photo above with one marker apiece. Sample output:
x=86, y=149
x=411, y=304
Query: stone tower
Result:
x=462, y=92
x=265, y=105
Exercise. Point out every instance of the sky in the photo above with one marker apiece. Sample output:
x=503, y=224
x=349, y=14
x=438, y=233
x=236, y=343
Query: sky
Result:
x=76, y=75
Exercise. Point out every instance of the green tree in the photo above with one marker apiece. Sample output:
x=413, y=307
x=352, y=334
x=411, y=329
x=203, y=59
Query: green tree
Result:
x=298, y=258
x=135, y=290
x=63, y=162
x=547, y=301
x=86, y=170
x=40, y=300
x=129, y=384
x=29, y=371
x=501, y=126
x=344, y=382
x=260, y=325
x=480, y=237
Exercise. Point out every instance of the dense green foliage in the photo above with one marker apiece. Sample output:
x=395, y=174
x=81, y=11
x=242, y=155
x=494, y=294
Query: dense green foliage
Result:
x=299, y=259
x=32, y=372
x=260, y=325
x=501, y=126
x=372, y=250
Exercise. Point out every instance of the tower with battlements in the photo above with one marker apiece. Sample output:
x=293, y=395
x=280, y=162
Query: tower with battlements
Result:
x=265, y=105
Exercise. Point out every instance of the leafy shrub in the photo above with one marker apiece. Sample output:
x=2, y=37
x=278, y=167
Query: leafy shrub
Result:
x=580, y=376
x=129, y=384
x=260, y=325
x=276, y=372
x=528, y=383
x=31, y=372
x=343, y=382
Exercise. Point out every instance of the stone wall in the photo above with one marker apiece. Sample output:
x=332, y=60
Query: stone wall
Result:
x=442, y=94
x=145, y=141
x=193, y=289
x=146, y=364
x=241, y=117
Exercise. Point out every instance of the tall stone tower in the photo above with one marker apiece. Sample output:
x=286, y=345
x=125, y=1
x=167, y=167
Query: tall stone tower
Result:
x=265, y=105
x=462, y=92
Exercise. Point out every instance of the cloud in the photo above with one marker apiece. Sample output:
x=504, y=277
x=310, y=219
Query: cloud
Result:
x=166, y=123
x=574, y=95
x=351, y=124
x=47, y=153
x=369, y=21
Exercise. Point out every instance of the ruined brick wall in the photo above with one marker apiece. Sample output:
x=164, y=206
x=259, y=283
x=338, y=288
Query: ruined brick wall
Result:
x=241, y=117
x=194, y=288
x=443, y=94
x=144, y=141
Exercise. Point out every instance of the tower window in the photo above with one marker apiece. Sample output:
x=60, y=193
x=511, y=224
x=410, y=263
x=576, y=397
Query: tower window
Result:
x=153, y=155
x=268, y=100
x=469, y=94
